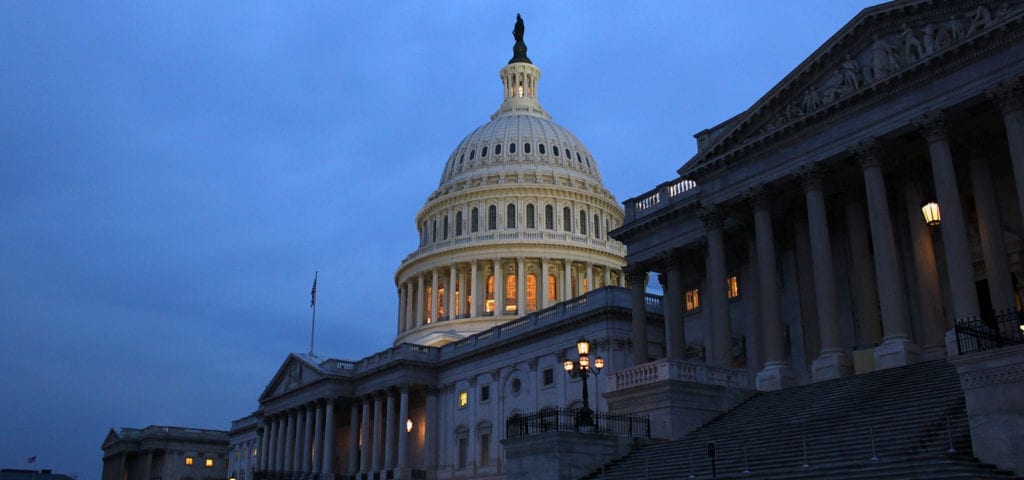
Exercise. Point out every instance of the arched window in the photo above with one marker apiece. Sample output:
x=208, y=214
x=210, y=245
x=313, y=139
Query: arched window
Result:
x=483, y=152
x=568, y=154
x=578, y=157
x=597, y=226
x=434, y=232
x=540, y=148
x=461, y=158
x=445, y=228
x=474, y=220
x=423, y=234
x=526, y=148
x=530, y=221
x=549, y=217
x=510, y=216
x=583, y=222
x=554, y=150
x=511, y=148
x=510, y=293
x=531, y=293
x=567, y=219
x=472, y=153
x=552, y=287
x=497, y=149
x=489, y=301
x=458, y=223
x=492, y=217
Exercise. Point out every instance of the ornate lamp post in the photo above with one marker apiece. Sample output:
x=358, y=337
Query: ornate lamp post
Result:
x=583, y=368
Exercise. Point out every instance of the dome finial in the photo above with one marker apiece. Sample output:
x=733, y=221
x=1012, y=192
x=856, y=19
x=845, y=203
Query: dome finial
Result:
x=519, y=49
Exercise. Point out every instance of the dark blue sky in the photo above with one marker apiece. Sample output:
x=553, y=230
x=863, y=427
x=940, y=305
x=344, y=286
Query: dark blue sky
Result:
x=172, y=173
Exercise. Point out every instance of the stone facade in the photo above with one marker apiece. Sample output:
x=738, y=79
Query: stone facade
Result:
x=165, y=453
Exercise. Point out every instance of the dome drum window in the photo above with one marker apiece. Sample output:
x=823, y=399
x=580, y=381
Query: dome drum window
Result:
x=472, y=153
x=483, y=152
x=540, y=148
x=554, y=150
x=511, y=148
x=497, y=149
x=526, y=147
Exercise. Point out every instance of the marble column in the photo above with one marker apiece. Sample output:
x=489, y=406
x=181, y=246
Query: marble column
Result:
x=752, y=307
x=301, y=441
x=401, y=309
x=264, y=442
x=607, y=276
x=542, y=296
x=567, y=280
x=435, y=281
x=364, y=457
x=275, y=444
x=896, y=349
x=990, y=229
x=430, y=437
x=329, y=449
x=521, y=286
x=318, y=439
x=463, y=295
x=862, y=275
x=420, y=300
x=954, y=229
x=499, y=288
x=1009, y=96
x=832, y=362
x=672, y=306
x=389, y=419
x=410, y=306
x=403, y=435
x=720, y=354
x=590, y=277
x=377, y=442
x=282, y=435
x=353, y=439
x=776, y=373
x=474, y=290
x=308, y=439
x=929, y=291
x=636, y=278
x=453, y=274
x=289, y=442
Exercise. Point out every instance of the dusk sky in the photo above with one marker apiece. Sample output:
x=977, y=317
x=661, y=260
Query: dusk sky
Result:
x=172, y=174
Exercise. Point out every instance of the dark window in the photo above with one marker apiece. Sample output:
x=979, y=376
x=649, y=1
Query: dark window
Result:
x=510, y=216
x=434, y=231
x=511, y=148
x=458, y=223
x=549, y=377
x=463, y=446
x=492, y=217
x=461, y=158
x=530, y=223
x=483, y=152
x=474, y=220
x=549, y=217
x=540, y=148
x=485, y=449
x=472, y=153
x=516, y=386
x=526, y=148
x=445, y=237
x=497, y=149
x=567, y=219
x=554, y=150
x=597, y=226
x=485, y=393
x=583, y=222
x=568, y=153
x=588, y=161
x=578, y=157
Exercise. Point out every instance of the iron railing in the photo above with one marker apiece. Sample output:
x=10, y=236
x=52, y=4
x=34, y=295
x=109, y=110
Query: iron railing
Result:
x=567, y=420
x=977, y=334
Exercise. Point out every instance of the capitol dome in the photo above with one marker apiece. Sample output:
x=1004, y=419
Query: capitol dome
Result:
x=520, y=200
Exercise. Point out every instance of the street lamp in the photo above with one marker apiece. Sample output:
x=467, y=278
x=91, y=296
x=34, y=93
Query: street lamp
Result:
x=583, y=368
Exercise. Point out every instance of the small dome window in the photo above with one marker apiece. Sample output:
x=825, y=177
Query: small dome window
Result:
x=483, y=152
x=472, y=153
x=568, y=153
x=461, y=158
x=497, y=149
x=540, y=148
x=578, y=159
x=511, y=148
x=554, y=150
x=526, y=148
x=588, y=161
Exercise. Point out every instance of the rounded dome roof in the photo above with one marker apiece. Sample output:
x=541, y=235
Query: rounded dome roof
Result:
x=517, y=142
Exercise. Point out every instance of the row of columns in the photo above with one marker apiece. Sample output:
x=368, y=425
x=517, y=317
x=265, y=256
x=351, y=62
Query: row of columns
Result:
x=417, y=309
x=378, y=436
x=882, y=284
x=299, y=440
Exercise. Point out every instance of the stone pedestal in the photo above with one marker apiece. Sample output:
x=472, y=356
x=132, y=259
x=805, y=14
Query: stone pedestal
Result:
x=896, y=352
x=558, y=455
x=993, y=383
x=775, y=376
x=831, y=365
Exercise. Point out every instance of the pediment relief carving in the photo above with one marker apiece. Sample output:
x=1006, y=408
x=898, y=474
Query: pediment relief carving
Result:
x=293, y=375
x=874, y=51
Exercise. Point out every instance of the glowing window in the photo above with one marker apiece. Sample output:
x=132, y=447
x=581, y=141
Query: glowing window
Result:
x=733, y=287
x=209, y=462
x=189, y=460
x=463, y=399
x=552, y=288
x=531, y=293
x=692, y=299
x=510, y=293
x=489, y=303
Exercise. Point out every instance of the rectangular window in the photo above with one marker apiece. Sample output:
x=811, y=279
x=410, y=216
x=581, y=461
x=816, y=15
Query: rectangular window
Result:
x=692, y=300
x=485, y=393
x=209, y=462
x=549, y=376
x=485, y=449
x=189, y=460
x=732, y=287
x=463, y=399
x=463, y=446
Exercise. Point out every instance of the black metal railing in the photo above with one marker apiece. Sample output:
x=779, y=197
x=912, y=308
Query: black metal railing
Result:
x=977, y=334
x=567, y=420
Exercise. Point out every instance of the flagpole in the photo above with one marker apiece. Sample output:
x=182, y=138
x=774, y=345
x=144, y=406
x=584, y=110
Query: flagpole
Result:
x=312, y=303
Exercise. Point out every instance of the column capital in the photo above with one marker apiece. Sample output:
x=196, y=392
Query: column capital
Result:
x=635, y=274
x=712, y=216
x=933, y=126
x=868, y=152
x=1008, y=95
x=811, y=176
x=759, y=197
x=976, y=142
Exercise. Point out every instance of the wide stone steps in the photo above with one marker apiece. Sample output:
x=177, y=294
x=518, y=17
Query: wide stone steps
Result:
x=898, y=423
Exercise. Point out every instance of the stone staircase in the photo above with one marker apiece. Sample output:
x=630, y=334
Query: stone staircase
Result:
x=898, y=423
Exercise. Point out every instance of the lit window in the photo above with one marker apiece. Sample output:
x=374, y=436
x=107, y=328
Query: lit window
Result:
x=552, y=288
x=692, y=300
x=732, y=287
x=463, y=399
x=209, y=462
x=510, y=294
x=188, y=460
x=531, y=293
x=489, y=302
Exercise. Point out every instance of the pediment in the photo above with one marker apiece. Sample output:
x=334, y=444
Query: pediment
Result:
x=295, y=372
x=872, y=52
x=111, y=438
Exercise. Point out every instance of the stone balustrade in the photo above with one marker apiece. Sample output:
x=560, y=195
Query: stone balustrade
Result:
x=666, y=369
x=665, y=194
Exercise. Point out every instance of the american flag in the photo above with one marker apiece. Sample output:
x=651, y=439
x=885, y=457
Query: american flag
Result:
x=312, y=292
x=32, y=459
